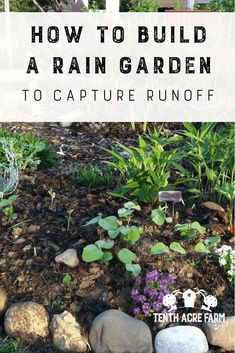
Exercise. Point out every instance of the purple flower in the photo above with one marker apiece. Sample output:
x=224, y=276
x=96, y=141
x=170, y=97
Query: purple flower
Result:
x=149, y=292
x=137, y=311
x=146, y=308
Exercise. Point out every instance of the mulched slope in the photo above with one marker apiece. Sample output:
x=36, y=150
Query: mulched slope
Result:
x=27, y=266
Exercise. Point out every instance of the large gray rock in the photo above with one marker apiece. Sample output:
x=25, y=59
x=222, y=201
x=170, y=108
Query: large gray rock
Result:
x=3, y=301
x=66, y=333
x=68, y=257
x=27, y=321
x=181, y=339
x=116, y=332
x=221, y=334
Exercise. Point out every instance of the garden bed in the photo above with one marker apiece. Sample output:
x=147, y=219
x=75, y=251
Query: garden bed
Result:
x=52, y=210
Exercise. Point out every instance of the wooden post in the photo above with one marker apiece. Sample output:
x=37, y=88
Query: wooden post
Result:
x=112, y=5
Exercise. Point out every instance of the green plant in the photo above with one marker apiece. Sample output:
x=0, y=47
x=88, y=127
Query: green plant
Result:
x=143, y=5
x=210, y=156
x=67, y=280
x=115, y=226
x=128, y=257
x=91, y=175
x=177, y=5
x=6, y=205
x=201, y=247
x=205, y=247
x=189, y=230
x=221, y=6
x=29, y=150
x=159, y=217
x=144, y=169
x=160, y=248
x=95, y=252
x=9, y=345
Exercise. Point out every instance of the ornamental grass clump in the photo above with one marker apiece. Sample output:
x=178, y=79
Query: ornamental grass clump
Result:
x=149, y=292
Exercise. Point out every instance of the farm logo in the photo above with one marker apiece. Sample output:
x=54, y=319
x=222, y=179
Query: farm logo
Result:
x=189, y=299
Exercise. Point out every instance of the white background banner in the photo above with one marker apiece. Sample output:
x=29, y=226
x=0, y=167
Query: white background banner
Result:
x=119, y=93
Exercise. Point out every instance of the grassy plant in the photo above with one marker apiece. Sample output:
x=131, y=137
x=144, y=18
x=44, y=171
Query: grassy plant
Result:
x=209, y=155
x=11, y=346
x=145, y=168
x=29, y=150
x=91, y=175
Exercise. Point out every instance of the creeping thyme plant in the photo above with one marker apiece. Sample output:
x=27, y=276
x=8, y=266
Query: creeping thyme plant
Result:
x=149, y=292
x=226, y=257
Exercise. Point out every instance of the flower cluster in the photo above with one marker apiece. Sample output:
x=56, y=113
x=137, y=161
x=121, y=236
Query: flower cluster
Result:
x=149, y=292
x=226, y=257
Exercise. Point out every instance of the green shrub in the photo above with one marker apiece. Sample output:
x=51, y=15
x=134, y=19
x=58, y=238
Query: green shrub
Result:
x=143, y=6
x=221, y=6
x=29, y=150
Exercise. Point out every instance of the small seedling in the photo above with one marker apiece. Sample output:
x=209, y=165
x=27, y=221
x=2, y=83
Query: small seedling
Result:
x=189, y=230
x=52, y=194
x=6, y=205
x=69, y=217
x=67, y=280
x=158, y=216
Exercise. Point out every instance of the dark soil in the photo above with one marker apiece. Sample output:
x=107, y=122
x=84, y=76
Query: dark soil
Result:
x=29, y=245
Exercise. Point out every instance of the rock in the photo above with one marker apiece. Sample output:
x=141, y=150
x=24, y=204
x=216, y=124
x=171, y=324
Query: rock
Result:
x=68, y=257
x=221, y=334
x=66, y=333
x=3, y=301
x=116, y=332
x=181, y=339
x=27, y=321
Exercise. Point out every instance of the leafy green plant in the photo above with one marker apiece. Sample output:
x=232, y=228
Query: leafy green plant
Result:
x=29, y=150
x=128, y=257
x=67, y=280
x=159, y=217
x=115, y=227
x=144, y=169
x=189, y=230
x=91, y=175
x=221, y=6
x=160, y=248
x=144, y=5
x=201, y=247
x=6, y=205
x=210, y=157
x=205, y=247
x=95, y=252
